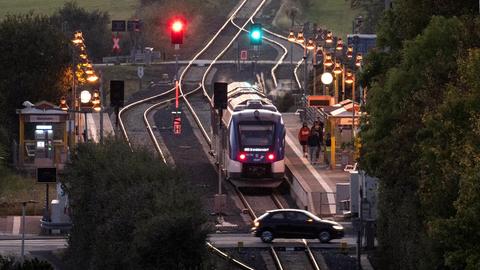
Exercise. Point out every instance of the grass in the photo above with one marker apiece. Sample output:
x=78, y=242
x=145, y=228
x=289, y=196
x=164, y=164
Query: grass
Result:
x=335, y=15
x=15, y=188
x=118, y=9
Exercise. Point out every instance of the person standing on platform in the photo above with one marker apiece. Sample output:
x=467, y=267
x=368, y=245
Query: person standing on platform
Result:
x=303, y=137
x=318, y=127
x=313, y=145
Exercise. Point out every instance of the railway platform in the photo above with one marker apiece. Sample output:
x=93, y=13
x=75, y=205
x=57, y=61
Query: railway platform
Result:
x=312, y=186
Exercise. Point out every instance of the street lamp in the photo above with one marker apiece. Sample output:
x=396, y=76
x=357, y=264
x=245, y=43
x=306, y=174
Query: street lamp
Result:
x=24, y=204
x=329, y=37
x=336, y=70
x=350, y=52
x=350, y=79
x=358, y=60
x=339, y=46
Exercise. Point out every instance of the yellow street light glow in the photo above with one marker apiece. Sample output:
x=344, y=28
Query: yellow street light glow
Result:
x=97, y=107
x=291, y=37
x=92, y=78
x=329, y=38
x=350, y=52
x=300, y=38
x=328, y=60
x=89, y=71
x=310, y=44
x=77, y=38
x=349, y=77
x=337, y=69
x=63, y=104
x=83, y=56
x=85, y=96
x=339, y=44
x=327, y=78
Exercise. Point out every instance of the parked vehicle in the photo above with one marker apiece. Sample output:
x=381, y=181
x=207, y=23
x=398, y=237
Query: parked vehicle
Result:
x=295, y=223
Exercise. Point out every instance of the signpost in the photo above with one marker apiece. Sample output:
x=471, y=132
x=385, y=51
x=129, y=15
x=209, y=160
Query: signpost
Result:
x=220, y=103
x=244, y=55
x=46, y=176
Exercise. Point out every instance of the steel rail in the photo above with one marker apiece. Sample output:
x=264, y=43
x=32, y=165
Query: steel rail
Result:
x=252, y=214
x=308, y=251
x=122, y=125
x=228, y=257
x=280, y=61
x=189, y=106
x=124, y=109
x=298, y=63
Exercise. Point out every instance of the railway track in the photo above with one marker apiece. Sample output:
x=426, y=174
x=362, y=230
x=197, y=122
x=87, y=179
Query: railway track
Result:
x=147, y=106
x=258, y=204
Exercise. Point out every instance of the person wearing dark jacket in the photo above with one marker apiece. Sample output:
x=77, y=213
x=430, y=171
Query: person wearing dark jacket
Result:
x=318, y=127
x=313, y=144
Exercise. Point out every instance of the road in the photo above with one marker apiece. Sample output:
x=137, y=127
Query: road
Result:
x=13, y=246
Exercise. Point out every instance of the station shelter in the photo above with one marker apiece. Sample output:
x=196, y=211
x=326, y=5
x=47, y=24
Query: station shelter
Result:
x=338, y=119
x=43, y=136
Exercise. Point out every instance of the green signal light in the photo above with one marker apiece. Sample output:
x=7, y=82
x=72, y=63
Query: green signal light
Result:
x=256, y=34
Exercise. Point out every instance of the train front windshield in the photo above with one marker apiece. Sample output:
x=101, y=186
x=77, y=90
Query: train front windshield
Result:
x=256, y=134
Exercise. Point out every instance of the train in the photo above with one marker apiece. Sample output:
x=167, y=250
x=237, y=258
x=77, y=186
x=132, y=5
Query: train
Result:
x=253, y=140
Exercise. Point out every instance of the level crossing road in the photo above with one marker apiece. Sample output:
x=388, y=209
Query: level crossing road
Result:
x=13, y=246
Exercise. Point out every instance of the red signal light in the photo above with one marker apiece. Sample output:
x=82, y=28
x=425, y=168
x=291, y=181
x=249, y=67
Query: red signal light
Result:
x=242, y=157
x=177, y=26
x=177, y=30
x=271, y=156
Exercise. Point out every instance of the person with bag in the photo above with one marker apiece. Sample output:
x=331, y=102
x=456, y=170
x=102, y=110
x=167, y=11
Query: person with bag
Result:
x=303, y=137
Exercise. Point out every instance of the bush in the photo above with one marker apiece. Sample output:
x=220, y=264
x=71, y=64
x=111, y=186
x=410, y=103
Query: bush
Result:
x=125, y=211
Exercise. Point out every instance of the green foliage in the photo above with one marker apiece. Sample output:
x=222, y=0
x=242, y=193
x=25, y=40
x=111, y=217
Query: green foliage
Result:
x=93, y=24
x=11, y=263
x=131, y=211
x=418, y=140
x=33, y=64
x=456, y=151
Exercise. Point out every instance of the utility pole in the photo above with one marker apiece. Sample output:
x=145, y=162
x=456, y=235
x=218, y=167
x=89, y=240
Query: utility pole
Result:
x=102, y=100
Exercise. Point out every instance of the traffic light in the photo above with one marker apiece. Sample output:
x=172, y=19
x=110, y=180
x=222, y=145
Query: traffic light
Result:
x=177, y=29
x=256, y=34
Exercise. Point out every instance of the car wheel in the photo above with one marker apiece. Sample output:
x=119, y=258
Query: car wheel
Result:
x=266, y=236
x=324, y=236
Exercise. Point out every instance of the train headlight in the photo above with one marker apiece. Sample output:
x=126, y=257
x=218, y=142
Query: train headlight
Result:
x=271, y=157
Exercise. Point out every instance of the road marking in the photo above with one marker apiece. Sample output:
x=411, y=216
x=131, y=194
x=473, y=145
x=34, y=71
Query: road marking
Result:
x=16, y=225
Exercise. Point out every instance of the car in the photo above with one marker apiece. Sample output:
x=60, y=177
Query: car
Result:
x=295, y=223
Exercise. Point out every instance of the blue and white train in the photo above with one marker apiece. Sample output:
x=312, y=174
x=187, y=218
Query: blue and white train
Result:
x=254, y=141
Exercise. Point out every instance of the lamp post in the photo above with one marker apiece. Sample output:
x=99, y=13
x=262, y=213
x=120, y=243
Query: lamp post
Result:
x=291, y=38
x=350, y=79
x=24, y=204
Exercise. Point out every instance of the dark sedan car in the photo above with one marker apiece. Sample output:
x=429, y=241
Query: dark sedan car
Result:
x=294, y=223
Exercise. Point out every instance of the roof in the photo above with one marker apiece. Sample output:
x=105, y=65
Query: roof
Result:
x=42, y=107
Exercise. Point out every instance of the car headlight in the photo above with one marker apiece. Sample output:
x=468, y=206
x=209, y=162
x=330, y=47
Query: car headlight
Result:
x=338, y=227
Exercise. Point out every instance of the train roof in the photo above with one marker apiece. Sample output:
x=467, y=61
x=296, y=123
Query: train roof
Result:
x=242, y=95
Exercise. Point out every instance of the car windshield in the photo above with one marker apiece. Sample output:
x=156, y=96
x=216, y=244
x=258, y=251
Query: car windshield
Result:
x=252, y=135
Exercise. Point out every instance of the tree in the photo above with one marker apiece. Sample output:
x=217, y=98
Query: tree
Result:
x=34, y=61
x=94, y=26
x=128, y=213
x=418, y=176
